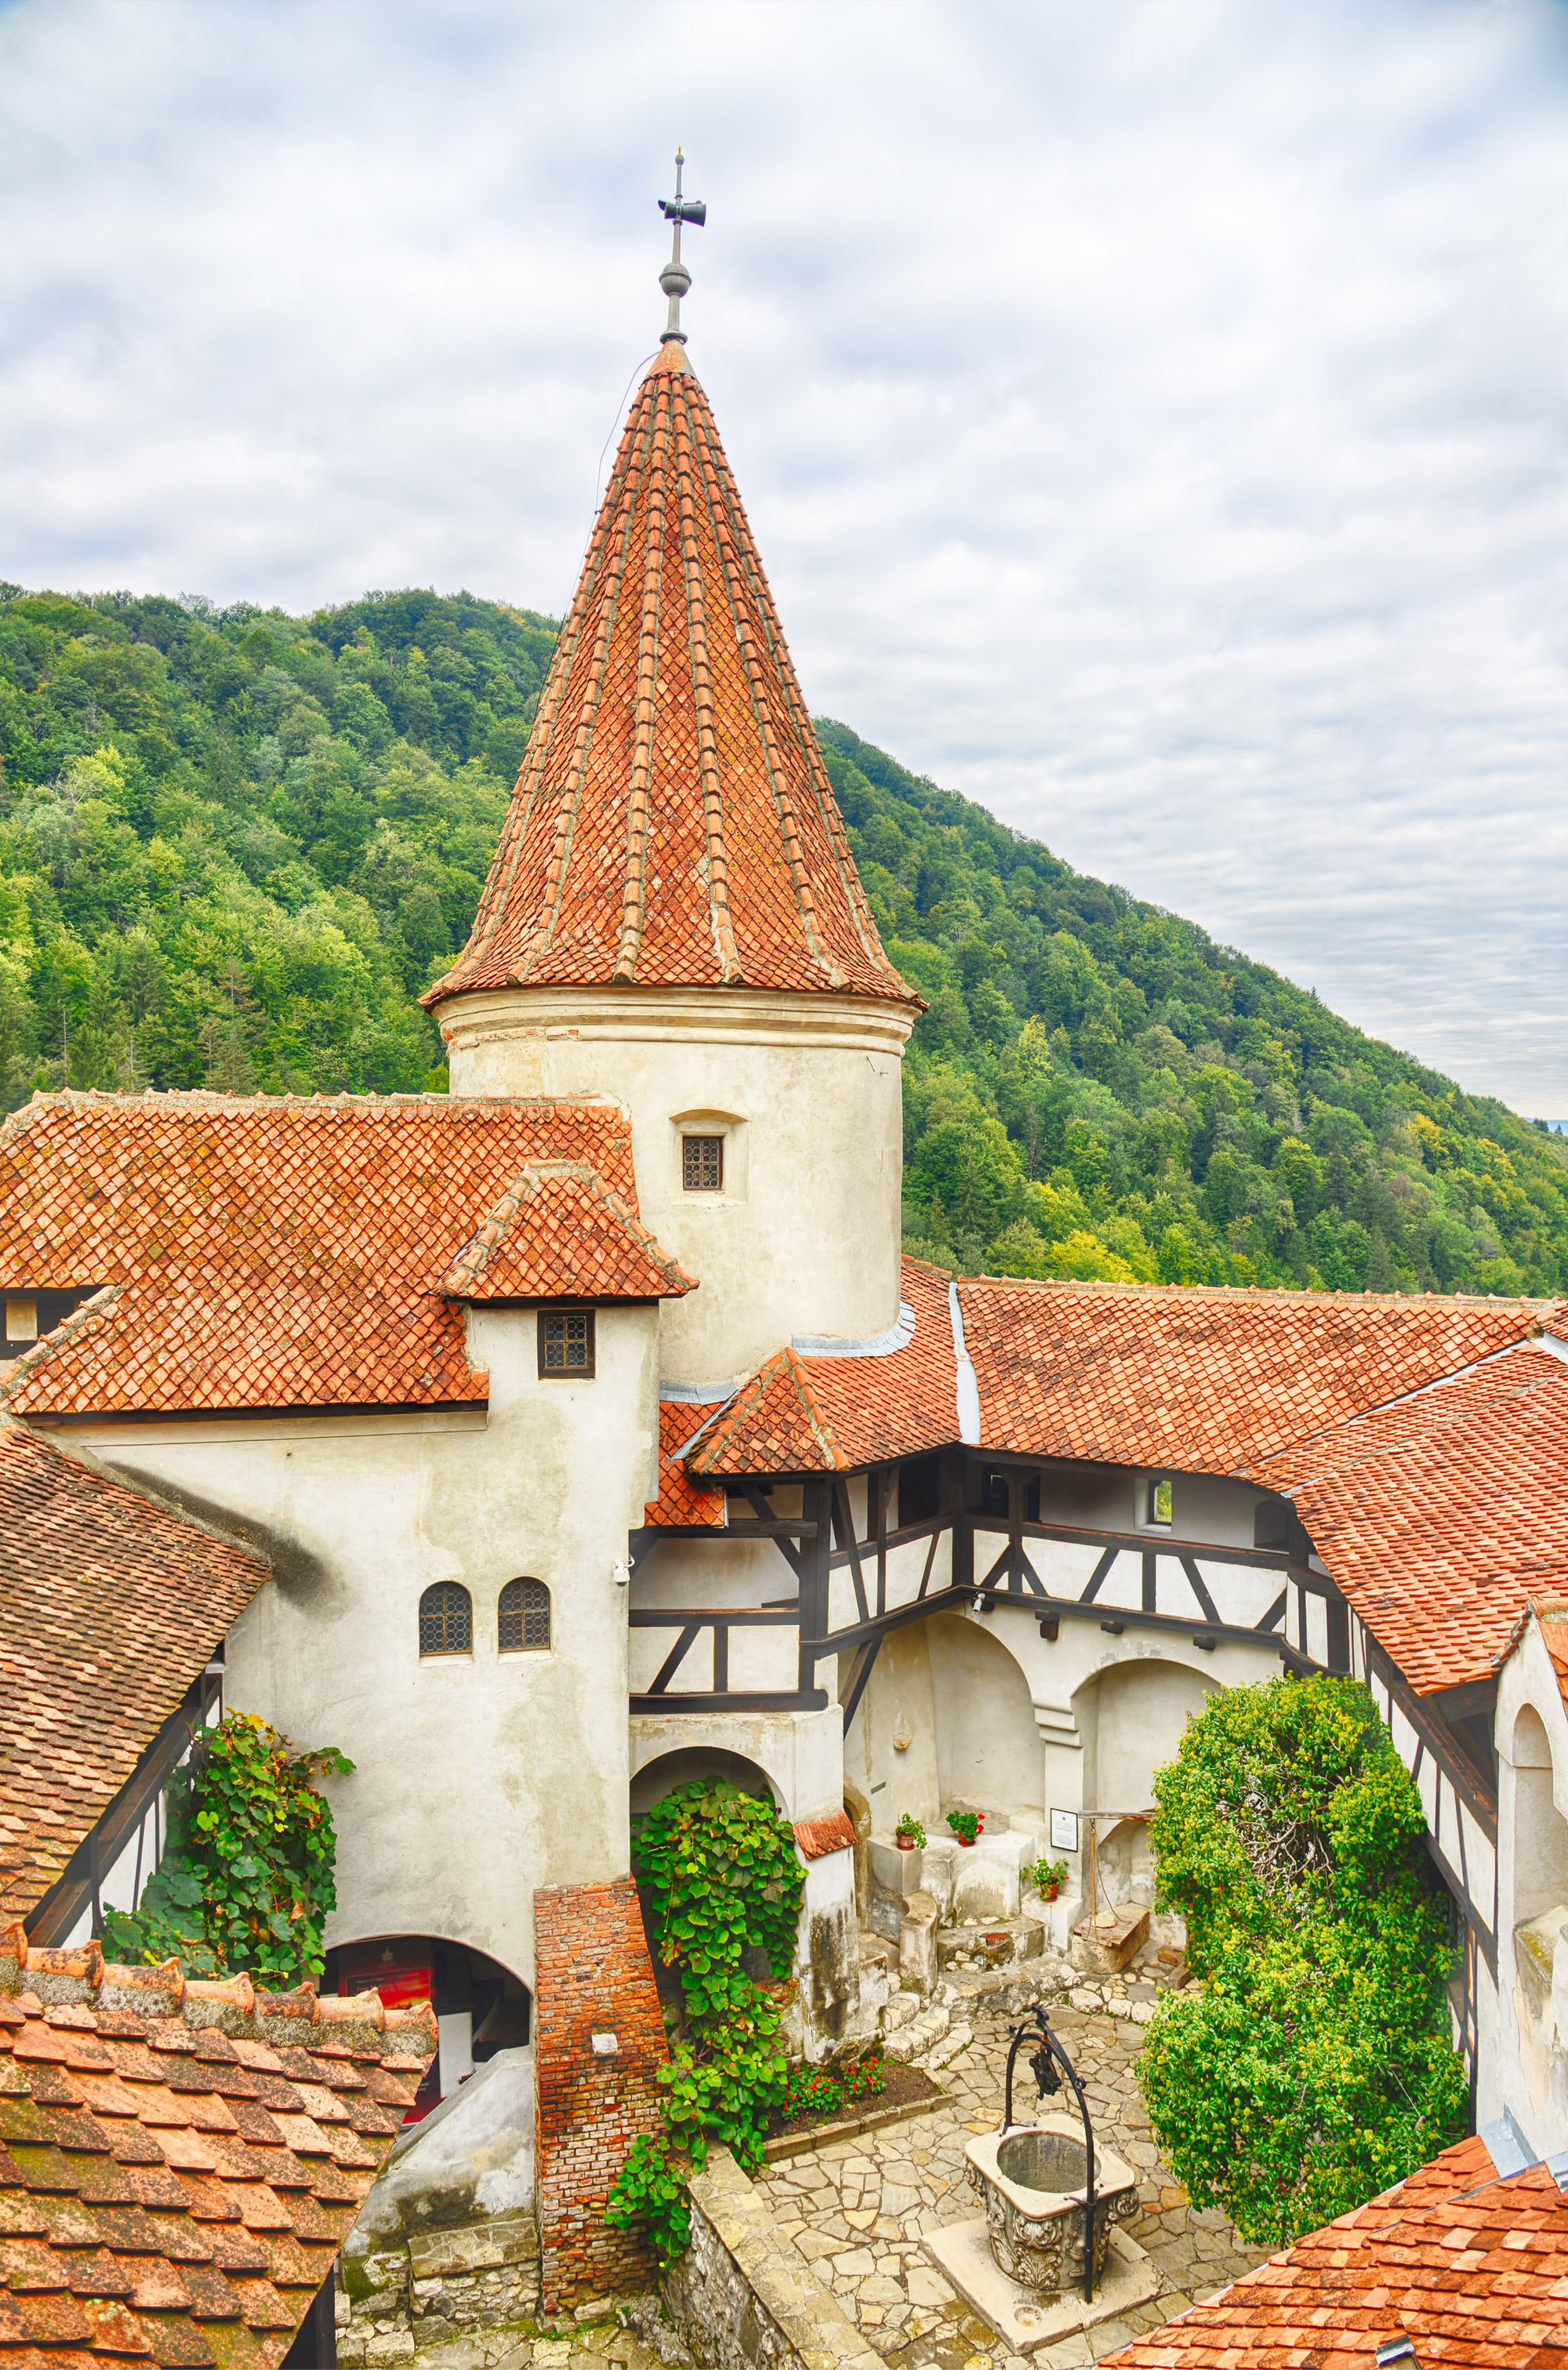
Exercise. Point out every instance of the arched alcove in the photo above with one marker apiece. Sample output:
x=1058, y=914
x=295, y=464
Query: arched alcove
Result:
x=1540, y=1832
x=988, y=1748
x=1131, y=1715
x=687, y=1765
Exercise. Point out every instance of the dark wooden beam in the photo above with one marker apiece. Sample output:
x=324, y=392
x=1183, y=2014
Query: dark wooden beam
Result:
x=740, y=1617
x=860, y=1673
x=787, y=1699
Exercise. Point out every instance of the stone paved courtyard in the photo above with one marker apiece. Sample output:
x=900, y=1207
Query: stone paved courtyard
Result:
x=860, y=2210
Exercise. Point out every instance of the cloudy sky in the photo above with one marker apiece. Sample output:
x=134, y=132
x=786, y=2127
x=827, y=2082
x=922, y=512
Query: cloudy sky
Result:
x=1152, y=411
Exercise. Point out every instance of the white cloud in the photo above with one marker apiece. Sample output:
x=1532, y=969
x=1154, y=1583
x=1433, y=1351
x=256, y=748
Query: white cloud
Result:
x=1150, y=410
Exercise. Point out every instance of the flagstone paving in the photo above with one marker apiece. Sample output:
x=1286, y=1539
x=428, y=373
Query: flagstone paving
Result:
x=858, y=2211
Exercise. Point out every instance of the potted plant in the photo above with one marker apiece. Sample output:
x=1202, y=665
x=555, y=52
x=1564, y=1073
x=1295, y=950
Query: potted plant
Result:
x=909, y=1835
x=965, y=1825
x=1048, y=1876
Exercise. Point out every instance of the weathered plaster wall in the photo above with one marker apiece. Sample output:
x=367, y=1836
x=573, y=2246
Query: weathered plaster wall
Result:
x=890, y=1750
x=800, y=1753
x=804, y=1089
x=477, y=1776
x=988, y=1743
x=1528, y=2072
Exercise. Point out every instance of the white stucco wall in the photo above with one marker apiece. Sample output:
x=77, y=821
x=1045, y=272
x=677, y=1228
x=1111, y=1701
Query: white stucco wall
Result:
x=1524, y=2065
x=804, y=1237
x=1104, y=1712
x=477, y=1776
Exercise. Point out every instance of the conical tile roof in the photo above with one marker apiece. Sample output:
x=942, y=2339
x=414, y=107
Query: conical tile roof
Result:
x=673, y=824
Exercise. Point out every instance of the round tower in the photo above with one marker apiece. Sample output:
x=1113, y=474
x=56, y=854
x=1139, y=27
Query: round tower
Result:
x=674, y=919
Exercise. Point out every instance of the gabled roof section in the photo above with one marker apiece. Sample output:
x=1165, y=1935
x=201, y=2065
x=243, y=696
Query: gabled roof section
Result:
x=1207, y=1380
x=110, y=1607
x=825, y=1415
x=265, y=1251
x=682, y=1497
x=673, y=823
x=1467, y=2267
x=1443, y=1515
x=181, y=2163
x=775, y=1425
x=559, y=1232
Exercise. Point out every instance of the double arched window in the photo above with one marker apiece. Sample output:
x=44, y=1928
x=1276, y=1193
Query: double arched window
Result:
x=524, y=1617
x=446, y=1619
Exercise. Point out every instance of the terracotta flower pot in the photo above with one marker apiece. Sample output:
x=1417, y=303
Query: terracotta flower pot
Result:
x=969, y=1842
x=1051, y=1891
x=905, y=1843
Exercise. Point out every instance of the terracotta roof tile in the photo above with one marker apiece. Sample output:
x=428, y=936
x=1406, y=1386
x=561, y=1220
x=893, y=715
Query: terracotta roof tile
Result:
x=673, y=823
x=269, y=1252
x=1473, y=2270
x=110, y=1607
x=126, y=2225
x=1443, y=1515
x=558, y=1231
x=1208, y=1381
x=682, y=1498
x=811, y=1414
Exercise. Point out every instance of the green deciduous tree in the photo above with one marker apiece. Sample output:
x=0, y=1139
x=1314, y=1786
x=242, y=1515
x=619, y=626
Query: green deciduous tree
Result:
x=1313, y=2067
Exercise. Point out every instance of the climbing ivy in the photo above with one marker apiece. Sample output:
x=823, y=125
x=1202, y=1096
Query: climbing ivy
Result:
x=720, y=1875
x=246, y=1880
x=1313, y=2067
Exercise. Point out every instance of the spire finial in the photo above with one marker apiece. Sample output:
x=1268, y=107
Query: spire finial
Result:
x=674, y=279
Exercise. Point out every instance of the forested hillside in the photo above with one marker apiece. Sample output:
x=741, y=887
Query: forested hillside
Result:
x=236, y=844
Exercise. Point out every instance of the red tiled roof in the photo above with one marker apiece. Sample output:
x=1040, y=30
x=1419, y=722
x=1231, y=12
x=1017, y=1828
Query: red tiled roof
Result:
x=1471, y=2269
x=819, y=1838
x=1208, y=1381
x=110, y=1607
x=1440, y=1517
x=673, y=823
x=179, y=2164
x=269, y=1252
x=809, y=1415
x=558, y=1231
x=682, y=1498
x=1124, y=1374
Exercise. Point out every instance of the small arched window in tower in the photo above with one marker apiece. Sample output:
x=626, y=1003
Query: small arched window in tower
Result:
x=446, y=1619
x=524, y=1617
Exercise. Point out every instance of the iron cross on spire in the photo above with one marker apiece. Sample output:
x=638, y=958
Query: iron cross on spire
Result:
x=674, y=279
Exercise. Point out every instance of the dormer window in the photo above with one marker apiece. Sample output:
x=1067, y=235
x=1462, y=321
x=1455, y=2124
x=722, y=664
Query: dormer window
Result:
x=21, y=1317
x=702, y=1164
x=1160, y=1501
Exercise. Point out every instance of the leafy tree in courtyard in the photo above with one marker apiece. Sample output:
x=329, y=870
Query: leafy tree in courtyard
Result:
x=1312, y=2068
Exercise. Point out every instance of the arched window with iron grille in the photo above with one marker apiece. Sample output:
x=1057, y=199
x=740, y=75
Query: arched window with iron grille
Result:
x=523, y=1617
x=446, y=1619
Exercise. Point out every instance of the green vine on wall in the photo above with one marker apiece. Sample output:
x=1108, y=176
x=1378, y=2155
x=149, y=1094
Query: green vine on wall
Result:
x=1313, y=2068
x=720, y=1875
x=246, y=1880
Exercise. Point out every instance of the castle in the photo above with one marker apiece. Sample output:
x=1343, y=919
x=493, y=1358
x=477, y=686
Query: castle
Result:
x=596, y=1437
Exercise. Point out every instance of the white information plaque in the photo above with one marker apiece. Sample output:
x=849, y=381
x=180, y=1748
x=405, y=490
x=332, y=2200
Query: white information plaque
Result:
x=1063, y=1831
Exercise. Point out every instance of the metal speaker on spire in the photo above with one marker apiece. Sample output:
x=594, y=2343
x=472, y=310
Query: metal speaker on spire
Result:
x=674, y=279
